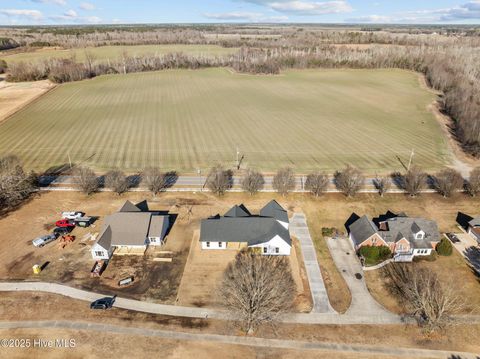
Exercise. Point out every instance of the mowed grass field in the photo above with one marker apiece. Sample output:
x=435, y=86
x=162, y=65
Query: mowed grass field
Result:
x=184, y=120
x=104, y=53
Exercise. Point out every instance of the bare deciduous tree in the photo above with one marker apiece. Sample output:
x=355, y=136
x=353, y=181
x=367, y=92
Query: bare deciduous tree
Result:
x=429, y=299
x=473, y=184
x=15, y=184
x=448, y=181
x=414, y=181
x=349, y=181
x=257, y=288
x=116, y=181
x=154, y=179
x=382, y=184
x=252, y=181
x=284, y=181
x=219, y=180
x=317, y=183
x=86, y=180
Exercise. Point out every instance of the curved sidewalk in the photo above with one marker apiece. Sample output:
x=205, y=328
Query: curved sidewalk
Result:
x=192, y=312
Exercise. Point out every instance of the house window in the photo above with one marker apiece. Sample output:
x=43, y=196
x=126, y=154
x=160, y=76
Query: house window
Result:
x=99, y=253
x=277, y=250
x=208, y=244
x=264, y=250
x=219, y=244
x=374, y=240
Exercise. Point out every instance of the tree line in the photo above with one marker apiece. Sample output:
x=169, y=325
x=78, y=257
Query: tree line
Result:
x=349, y=181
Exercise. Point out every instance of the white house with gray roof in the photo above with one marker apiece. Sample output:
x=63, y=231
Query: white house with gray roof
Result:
x=238, y=228
x=133, y=227
x=405, y=236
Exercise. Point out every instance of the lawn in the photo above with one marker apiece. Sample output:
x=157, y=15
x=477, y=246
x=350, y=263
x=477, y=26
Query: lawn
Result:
x=103, y=53
x=187, y=120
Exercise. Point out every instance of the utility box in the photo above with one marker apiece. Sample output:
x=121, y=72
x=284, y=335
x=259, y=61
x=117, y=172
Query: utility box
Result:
x=36, y=269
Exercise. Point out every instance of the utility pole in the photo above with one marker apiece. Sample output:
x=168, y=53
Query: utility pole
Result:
x=238, y=159
x=411, y=158
x=69, y=159
x=199, y=171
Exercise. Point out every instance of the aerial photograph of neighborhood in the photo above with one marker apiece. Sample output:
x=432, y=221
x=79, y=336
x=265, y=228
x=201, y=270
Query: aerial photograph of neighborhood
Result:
x=240, y=179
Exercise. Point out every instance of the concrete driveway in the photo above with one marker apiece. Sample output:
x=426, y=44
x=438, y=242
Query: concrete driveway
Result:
x=349, y=266
x=469, y=249
x=299, y=228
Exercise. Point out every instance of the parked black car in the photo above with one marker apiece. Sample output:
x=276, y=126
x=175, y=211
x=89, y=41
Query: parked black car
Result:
x=61, y=231
x=103, y=303
x=453, y=237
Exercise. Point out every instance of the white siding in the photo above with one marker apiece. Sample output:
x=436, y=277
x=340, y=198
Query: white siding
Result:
x=98, y=252
x=284, y=224
x=274, y=247
x=154, y=241
x=214, y=245
x=422, y=252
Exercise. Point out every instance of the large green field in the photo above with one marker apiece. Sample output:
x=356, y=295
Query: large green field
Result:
x=103, y=53
x=184, y=120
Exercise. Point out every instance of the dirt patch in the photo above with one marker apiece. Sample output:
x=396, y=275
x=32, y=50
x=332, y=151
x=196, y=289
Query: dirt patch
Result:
x=72, y=264
x=15, y=96
x=54, y=307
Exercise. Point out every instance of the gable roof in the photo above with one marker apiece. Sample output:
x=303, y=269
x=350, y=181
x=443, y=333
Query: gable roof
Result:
x=274, y=210
x=105, y=238
x=158, y=225
x=408, y=227
x=474, y=222
x=253, y=230
x=129, y=228
x=129, y=207
x=238, y=211
x=362, y=229
x=415, y=228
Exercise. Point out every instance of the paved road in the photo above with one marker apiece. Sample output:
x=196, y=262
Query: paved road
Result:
x=197, y=183
x=372, y=350
x=349, y=266
x=299, y=228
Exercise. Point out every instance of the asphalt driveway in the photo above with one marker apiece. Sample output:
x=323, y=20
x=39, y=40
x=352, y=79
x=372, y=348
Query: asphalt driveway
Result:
x=349, y=266
x=468, y=247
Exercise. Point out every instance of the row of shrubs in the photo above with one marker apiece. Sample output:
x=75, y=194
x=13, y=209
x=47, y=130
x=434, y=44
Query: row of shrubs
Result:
x=376, y=254
x=349, y=181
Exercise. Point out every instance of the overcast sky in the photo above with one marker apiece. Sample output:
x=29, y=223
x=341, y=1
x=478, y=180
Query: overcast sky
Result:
x=30, y=12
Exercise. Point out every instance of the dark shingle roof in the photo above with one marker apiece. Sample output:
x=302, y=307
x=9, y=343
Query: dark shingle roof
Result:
x=407, y=227
x=158, y=224
x=129, y=207
x=253, y=230
x=238, y=211
x=105, y=238
x=415, y=228
x=274, y=210
x=362, y=229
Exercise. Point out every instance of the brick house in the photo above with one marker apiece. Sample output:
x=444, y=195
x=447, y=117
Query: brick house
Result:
x=406, y=237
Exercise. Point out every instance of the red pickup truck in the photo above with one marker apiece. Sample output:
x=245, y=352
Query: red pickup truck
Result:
x=65, y=223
